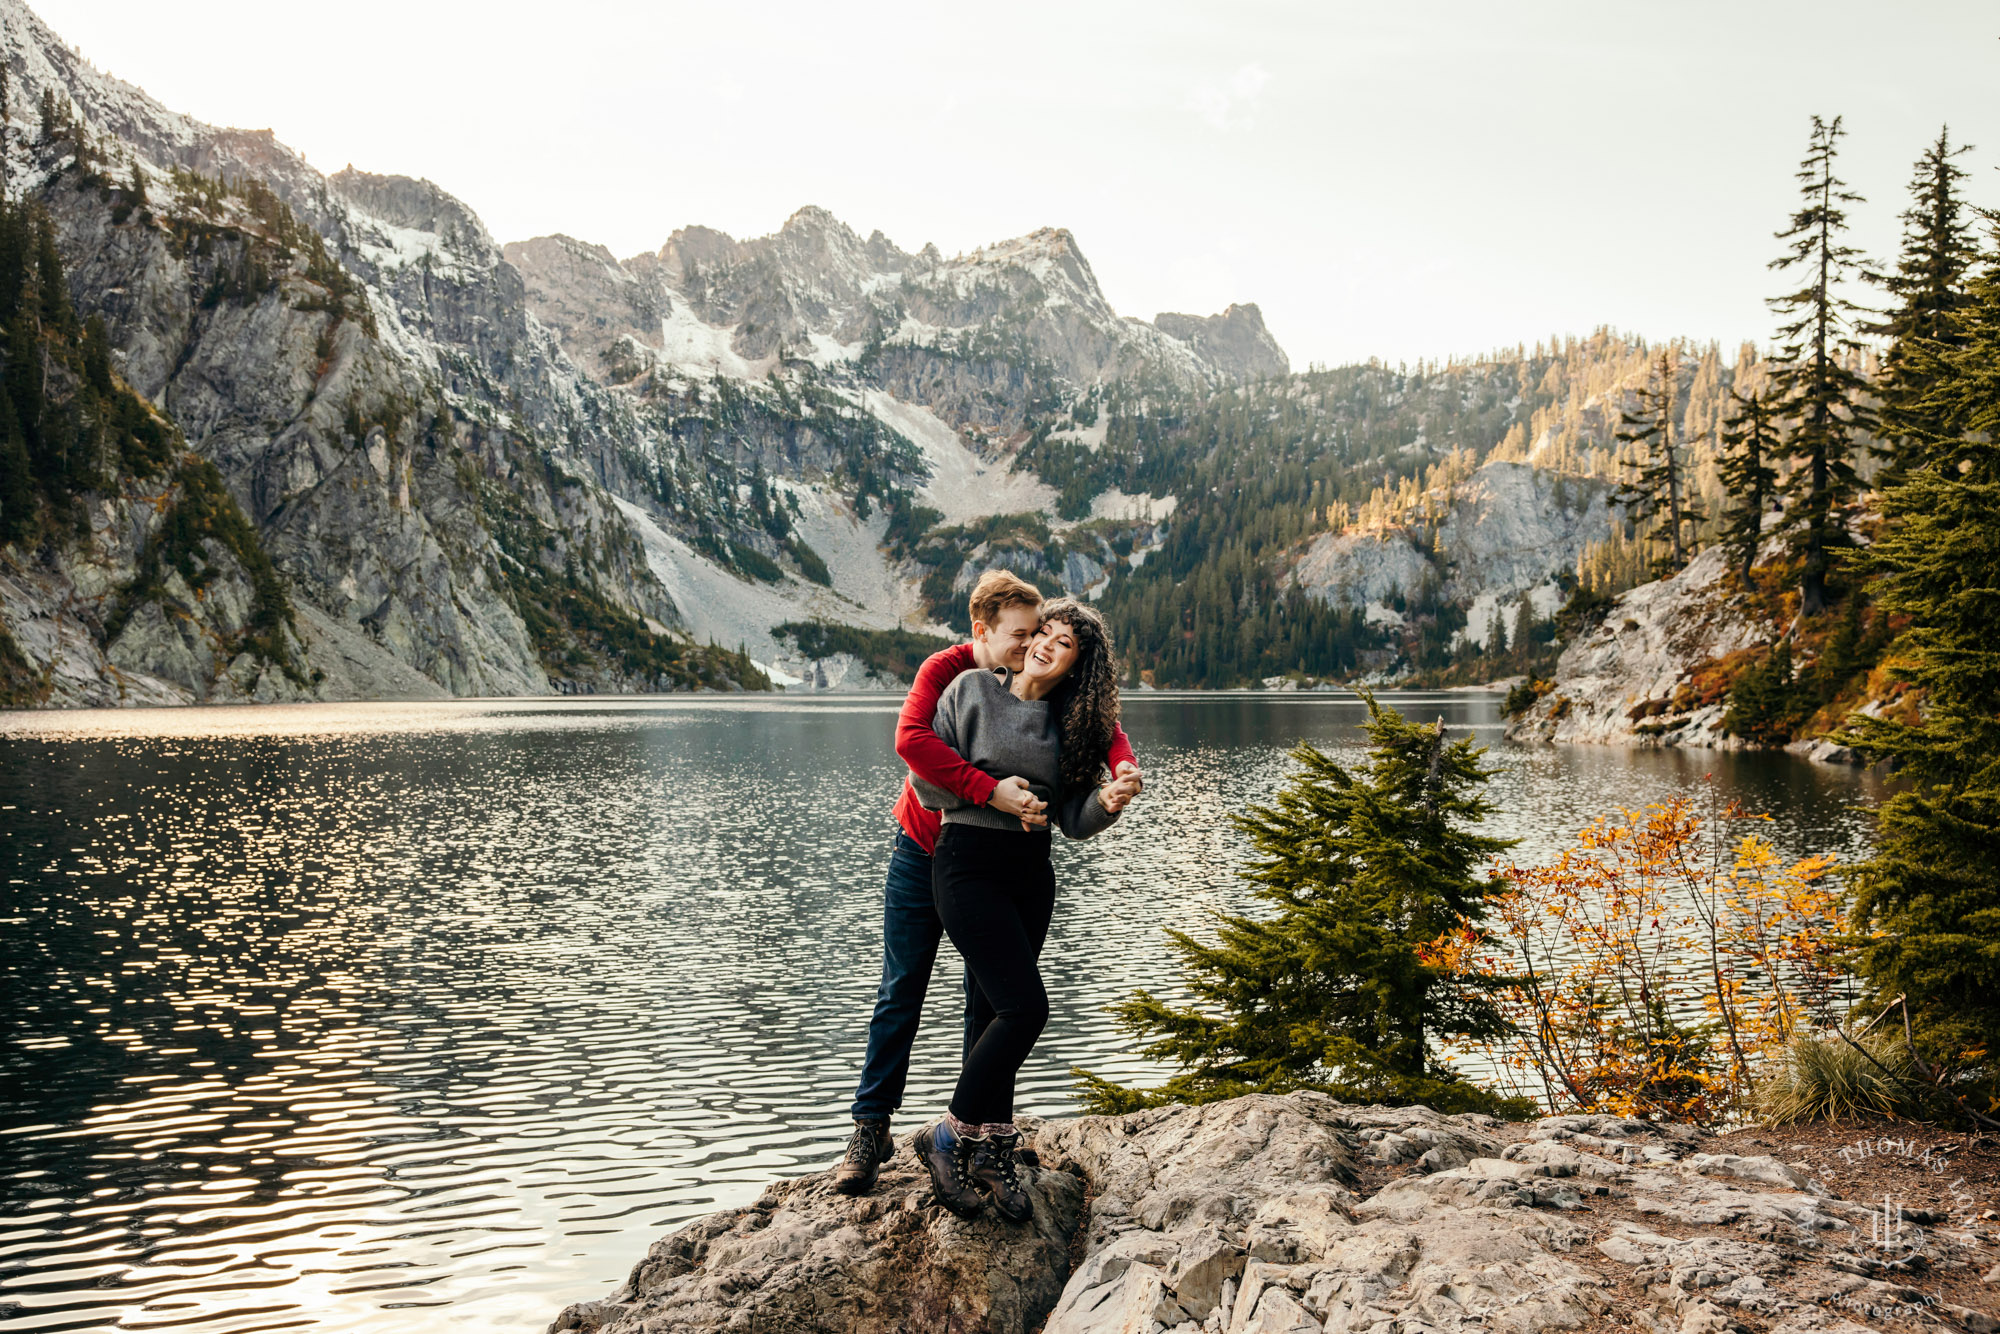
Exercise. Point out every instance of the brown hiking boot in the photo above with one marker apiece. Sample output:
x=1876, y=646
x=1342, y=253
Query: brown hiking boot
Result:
x=867, y=1149
x=993, y=1171
x=951, y=1170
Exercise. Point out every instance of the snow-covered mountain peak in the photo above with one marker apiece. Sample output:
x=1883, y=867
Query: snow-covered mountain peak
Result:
x=1049, y=255
x=941, y=333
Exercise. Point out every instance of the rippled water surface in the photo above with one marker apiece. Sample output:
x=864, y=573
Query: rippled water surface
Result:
x=388, y=1018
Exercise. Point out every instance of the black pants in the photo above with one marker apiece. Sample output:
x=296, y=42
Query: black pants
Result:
x=995, y=892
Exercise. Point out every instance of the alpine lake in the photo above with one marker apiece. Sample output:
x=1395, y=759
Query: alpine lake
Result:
x=376, y=1018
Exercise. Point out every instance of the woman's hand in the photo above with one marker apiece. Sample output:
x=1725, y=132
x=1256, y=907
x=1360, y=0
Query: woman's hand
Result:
x=1126, y=784
x=1011, y=796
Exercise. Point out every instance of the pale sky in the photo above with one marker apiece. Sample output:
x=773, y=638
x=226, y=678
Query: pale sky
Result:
x=1397, y=180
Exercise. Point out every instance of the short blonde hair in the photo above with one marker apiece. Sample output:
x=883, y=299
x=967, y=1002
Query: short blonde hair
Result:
x=998, y=590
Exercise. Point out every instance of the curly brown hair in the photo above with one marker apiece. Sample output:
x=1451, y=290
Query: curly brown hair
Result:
x=1087, y=699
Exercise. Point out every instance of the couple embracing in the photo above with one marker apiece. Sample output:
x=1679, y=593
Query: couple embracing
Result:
x=1003, y=736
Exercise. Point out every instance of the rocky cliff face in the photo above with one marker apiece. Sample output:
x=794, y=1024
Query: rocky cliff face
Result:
x=1235, y=342
x=1658, y=669
x=1293, y=1215
x=1507, y=530
x=1633, y=681
x=426, y=469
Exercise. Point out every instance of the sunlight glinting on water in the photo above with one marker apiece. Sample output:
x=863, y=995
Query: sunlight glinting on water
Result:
x=383, y=1018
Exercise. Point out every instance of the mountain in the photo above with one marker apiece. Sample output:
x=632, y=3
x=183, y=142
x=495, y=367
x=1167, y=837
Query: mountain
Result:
x=472, y=468
x=978, y=339
x=354, y=358
x=477, y=470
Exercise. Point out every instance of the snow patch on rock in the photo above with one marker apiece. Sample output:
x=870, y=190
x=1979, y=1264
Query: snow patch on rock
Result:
x=733, y=611
x=1115, y=504
x=689, y=343
x=1547, y=599
x=962, y=486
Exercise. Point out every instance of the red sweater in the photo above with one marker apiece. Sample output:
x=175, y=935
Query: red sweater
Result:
x=918, y=746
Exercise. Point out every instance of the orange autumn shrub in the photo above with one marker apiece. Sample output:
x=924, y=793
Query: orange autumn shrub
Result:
x=1651, y=969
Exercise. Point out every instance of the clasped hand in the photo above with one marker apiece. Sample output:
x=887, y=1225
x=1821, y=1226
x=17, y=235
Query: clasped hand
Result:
x=1125, y=784
x=1011, y=796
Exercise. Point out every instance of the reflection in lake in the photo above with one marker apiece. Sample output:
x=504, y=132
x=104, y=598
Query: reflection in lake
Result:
x=394, y=1017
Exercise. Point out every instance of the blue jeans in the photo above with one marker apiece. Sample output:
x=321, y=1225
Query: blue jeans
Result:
x=910, y=935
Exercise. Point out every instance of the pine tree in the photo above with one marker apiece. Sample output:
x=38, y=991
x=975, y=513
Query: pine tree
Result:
x=1750, y=441
x=1332, y=991
x=1847, y=651
x=1821, y=396
x=1764, y=706
x=1657, y=491
x=1929, y=286
x=1927, y=907
x=1524, y=632
x=17, y=476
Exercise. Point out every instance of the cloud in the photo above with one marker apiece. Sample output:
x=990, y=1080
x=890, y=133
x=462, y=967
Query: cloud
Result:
x=1232, y=103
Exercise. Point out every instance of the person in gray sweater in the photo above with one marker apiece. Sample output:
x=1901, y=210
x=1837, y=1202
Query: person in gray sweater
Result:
x=994, y=887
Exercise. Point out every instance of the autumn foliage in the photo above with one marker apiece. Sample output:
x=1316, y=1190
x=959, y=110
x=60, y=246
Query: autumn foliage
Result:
x=1652, y=969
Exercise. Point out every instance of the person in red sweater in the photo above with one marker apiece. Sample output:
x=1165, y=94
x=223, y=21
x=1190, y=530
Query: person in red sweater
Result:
x=1005, y=613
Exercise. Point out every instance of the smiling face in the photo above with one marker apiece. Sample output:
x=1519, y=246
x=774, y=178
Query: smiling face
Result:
x=1004, y=643
x=1051, y=653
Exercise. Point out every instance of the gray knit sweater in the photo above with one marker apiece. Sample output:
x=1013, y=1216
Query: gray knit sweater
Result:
x=981, y=719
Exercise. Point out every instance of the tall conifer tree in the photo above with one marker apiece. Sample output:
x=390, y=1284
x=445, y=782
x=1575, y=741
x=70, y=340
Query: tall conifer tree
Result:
x=6, y=128
x=1929, y=287
x=1821, y=395
x=1332, y=990
x=1927, y=907
x=1657, y=492
x=1750, y=441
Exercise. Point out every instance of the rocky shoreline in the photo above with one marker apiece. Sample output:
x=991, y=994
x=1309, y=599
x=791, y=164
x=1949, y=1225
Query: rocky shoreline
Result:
x=1297, y=1214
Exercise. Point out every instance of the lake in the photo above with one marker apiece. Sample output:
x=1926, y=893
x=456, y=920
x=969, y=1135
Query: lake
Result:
x=385, y=1018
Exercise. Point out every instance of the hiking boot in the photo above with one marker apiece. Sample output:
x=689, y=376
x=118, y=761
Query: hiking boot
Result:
x=993, y=1171
x=867, y=1149
x=951, y=1170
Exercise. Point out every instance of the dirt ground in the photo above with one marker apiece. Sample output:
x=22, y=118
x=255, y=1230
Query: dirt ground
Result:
x=1939, y=1177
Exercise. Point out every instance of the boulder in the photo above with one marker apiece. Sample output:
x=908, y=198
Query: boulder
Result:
x=1299, y=1214
x=804, y=1259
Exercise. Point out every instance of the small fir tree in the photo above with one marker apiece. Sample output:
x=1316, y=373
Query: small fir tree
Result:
x=1927, y=907
x=1750, y=441
x=1849, y=650
x=1821, y=395
x=1334, y=990
x=1764, y=706
x=1930, y=291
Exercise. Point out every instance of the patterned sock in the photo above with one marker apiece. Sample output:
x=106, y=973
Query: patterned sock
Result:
x=991, y=1128
x=951, y=1128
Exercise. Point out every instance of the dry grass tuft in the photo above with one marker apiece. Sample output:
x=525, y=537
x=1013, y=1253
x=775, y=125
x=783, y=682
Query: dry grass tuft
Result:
x=1826, y=1079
